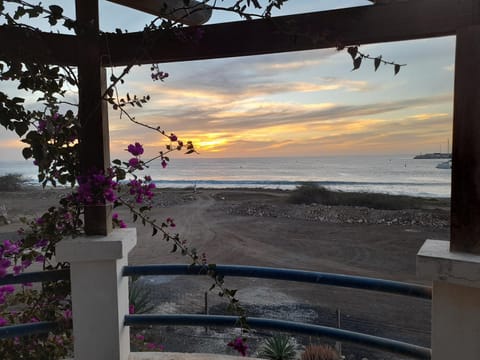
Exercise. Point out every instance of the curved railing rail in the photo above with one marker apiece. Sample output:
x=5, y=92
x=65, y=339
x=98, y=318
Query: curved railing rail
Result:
x=380, y=343
x=32, y=277
x=36, y=276
x=28, y=329
x=357, y=282
x=350, y=281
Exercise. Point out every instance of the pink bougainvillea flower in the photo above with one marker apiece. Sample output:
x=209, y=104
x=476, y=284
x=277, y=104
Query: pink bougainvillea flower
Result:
x=170, y=222
x=41, y=243
x=41, y=126
x=239, y=345
x=118, y=222
x=17, y=269
x=173, y=137
x=26, y=263
x=131, y=309
x=7, y=289
x=134, y=163
x=150, y=346
x=96, y=188
x=164, y=164
x=58, y=340
x=135, y=149
x=67, y=314
x=110, y=195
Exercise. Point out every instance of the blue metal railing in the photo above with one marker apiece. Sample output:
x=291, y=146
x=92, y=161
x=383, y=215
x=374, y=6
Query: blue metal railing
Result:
x=380, y=343
x=27, y=329
x=32, y=277
x=357, y=282
x=37, y=276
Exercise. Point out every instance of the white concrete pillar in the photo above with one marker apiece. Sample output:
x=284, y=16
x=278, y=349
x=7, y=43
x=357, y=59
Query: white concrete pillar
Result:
x=455, y=300
x=99, y=293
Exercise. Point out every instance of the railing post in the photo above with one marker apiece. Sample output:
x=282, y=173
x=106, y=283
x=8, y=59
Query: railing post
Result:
x=99, y=293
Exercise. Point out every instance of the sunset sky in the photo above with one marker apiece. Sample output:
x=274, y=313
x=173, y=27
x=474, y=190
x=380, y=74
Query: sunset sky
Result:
x=296, y=104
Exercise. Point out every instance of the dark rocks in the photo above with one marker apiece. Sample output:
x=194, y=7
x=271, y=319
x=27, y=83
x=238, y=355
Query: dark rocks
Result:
x=342, y=214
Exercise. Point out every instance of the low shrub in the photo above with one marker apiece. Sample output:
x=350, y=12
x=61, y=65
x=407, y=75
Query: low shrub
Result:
x=320, y=352
x=278, y=347
x=11, y=182
x=139, y=298
x=311, y=193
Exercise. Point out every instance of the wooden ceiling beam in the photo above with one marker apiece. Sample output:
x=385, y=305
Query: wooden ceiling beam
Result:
x=37, y=46
x=360, y=25
x=326, y=29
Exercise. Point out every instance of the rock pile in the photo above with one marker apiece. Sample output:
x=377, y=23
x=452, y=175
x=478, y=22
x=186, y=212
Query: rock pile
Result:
x=343, y=214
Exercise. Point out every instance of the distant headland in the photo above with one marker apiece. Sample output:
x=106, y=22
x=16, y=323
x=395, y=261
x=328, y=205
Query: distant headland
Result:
x=436, y=155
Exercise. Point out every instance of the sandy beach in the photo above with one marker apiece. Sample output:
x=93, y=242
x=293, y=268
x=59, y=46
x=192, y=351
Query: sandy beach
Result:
x=260, y=227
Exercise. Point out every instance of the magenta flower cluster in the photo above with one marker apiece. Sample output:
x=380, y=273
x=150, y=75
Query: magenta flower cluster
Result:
x=7, y=249
x=139, y=340
x=118, y=222
x=136, y=150
x=96, y=188
x=141, y=189
x=239, y=345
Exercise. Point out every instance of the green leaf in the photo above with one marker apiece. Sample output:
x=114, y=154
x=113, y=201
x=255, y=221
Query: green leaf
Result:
x=56, y=10
x=377, y=62
x=69, y=24
x=19, y=13
x=52, y=20
x=353, y=50
x=27, y=153
x=121, y=174
x=396, y=69
x=155, y=231
x=117, y=162
x=357, y=62
x=21, y=128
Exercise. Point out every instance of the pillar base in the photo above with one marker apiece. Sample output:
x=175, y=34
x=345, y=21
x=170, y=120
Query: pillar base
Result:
x=455, y=300
x=99, y=293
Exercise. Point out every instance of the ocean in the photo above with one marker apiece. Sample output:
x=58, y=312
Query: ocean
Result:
x=397, y=174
